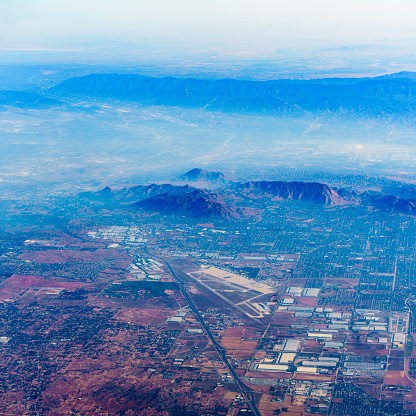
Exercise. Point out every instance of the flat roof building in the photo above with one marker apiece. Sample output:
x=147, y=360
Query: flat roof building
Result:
x=319, y=335
x=302, y=369
x=291, y=345
x=319, y=363
x=295, y=290
x=311, y=292
x=176, y=320
x=287, y=357
x=272, y=367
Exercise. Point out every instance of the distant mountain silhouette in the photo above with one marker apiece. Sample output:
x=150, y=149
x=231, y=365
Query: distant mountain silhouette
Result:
x=387, y=97
x=200, y=175
x=411, y=76
x=26, y=100
x=216, y=95
x=103, y=195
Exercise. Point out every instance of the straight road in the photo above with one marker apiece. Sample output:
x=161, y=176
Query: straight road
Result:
x=246, y=392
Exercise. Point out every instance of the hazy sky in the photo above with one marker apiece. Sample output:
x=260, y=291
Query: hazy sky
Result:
x=378, y=34
x=33, y=20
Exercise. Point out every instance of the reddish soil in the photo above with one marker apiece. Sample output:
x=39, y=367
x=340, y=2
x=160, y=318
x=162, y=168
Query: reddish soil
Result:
x=397, y=378
x=17, y=283
x=64, y=256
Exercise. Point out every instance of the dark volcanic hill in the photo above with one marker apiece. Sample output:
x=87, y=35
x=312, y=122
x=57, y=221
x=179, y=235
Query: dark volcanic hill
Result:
x=314, y=192
x=387, y=97
x=195, y=204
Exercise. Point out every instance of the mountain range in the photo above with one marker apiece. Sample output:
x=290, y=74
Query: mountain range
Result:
x=313, y=192
x=195, y=203
x=386, y=97
x=168, y=199
x=185, y=200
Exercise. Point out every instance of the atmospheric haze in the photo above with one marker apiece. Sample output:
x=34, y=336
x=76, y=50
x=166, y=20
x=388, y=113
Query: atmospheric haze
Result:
x=207, y=207
x=266, y=38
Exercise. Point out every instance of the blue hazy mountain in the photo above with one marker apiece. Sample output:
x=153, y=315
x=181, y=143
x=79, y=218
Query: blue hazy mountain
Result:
x=385, y=97
x=203, y=176
x=314, y=192
x=167, y=199
x=26, y=100
x=203, y=203
x=135, y=193
x=196, y=203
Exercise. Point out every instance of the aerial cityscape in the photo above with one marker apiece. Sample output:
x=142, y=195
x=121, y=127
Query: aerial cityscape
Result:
x=207, y=208
x=304, y=306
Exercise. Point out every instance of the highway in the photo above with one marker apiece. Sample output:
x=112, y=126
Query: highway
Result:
x=246, y=392
x=409, y=333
